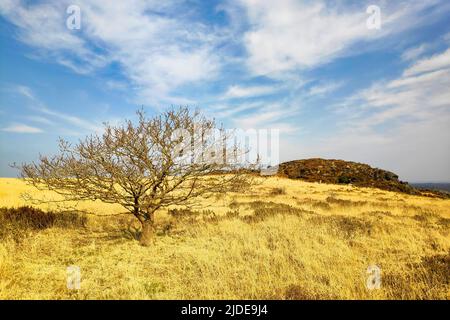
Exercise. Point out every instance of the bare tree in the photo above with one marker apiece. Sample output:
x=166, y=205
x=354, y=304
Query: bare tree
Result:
x=171, y=159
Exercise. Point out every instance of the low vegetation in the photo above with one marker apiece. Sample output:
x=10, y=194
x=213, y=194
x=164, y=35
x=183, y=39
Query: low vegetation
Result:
x=18, y=223
x=310, y=241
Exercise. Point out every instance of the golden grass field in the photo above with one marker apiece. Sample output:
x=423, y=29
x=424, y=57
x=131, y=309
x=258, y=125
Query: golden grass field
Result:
x=284, y=239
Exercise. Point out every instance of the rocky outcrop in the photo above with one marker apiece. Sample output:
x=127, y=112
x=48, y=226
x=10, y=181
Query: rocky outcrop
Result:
x=344, y=172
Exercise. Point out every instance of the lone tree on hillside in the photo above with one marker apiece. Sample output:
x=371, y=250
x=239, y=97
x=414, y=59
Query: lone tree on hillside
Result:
x=170, y=159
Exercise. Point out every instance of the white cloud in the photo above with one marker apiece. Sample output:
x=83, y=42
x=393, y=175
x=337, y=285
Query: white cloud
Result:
x=260, y=119
x=400, y=125
x=437, y=61
x=323, y=89
x=74, y=120
x=237, y=91
x=157, y=52
x=25, y=91
x=414, y=80
x=43, y=26
x=68, y=118
x=304, y=34
x=275, y=115
x=292, y=34
x=161, y=46
x=116, y=85
x=21, y=128
x=40, y=119
x=414, y=53
x=418, y=96
x=222, y=111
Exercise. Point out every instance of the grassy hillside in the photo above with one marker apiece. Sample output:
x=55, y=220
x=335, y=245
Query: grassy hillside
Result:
x=284, y=239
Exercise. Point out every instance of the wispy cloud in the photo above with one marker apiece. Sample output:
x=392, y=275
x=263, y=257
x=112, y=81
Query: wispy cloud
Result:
x=303, y=34
x=21, y=128
x=325, y=88
x=228, y=110
x=274, y=115
x=157, y=52
x=42, y=26
x=401, y=124
x=436, y=62
x=25, y=91
x=414, y=53
x=237, y=91
x=40, y=107
x=74, y=120
x=40, y=119
x=162, y=46
x=421, y=93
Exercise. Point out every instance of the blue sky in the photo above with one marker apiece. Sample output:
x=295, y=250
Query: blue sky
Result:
x=313, y=69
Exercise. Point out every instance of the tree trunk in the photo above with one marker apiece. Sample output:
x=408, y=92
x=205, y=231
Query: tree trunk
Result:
x=148, y=233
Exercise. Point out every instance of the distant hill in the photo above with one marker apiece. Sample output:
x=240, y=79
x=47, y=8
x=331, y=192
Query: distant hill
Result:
x=347, y=172
x=433, y=186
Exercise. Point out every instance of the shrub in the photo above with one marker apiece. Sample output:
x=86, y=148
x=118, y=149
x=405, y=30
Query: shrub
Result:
x=277, y=191
x=321, y=205
x=263, y=210
x=233, y=213
x=345, y=203
x=346, y=227
x=345, y=180
x=18, y=222
x=37, y=219
x=182, y=213
x=352, y=226
x=298, y=292
x=191, y=216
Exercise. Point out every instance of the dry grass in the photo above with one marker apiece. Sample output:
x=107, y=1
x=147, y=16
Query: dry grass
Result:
x=283, y=240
